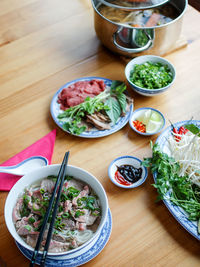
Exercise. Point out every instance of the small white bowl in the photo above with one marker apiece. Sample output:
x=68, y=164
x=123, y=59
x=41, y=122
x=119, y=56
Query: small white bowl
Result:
x=140, y=60
x=129, y=160
x=138, y=112
x=36, y=175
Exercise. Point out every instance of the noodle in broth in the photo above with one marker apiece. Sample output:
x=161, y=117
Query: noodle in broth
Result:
x=140, y=18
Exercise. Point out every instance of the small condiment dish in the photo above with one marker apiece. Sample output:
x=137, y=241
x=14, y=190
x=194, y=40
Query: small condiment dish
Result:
x=126, y=160
x=157, y=126
x=141, y=60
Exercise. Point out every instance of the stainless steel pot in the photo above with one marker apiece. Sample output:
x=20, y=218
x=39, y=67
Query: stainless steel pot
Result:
x=131, y=41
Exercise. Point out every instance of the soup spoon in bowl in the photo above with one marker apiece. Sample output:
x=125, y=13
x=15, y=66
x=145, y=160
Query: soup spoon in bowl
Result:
x=25, y=166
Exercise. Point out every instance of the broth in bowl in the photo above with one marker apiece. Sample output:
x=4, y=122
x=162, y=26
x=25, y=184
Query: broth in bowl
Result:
x=78, y=214
x=91, y=200
x=139, y=18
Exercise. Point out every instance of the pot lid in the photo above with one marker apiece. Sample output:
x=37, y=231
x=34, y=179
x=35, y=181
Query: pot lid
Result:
x=134, y=4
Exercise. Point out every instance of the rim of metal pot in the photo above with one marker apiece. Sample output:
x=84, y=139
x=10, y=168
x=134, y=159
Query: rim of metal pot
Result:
x=139, y=28
x=135, y=5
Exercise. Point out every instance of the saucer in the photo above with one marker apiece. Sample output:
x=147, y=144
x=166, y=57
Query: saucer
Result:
x=79, y=258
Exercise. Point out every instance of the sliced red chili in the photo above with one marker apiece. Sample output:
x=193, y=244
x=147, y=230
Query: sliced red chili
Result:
x=139, y=126
x=181, y=130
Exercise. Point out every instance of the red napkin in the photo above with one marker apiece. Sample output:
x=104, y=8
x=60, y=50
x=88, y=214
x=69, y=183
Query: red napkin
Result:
x=43, y=147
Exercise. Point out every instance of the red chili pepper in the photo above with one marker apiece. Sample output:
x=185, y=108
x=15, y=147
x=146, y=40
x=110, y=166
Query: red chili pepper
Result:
x=182, y=130
x=176, y=132
x=139, y=126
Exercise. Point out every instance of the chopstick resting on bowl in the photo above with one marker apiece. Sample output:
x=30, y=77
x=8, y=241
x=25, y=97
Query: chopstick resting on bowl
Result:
x=56, y=199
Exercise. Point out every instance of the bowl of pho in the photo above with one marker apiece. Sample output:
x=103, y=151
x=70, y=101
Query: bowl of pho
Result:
x=81, y=213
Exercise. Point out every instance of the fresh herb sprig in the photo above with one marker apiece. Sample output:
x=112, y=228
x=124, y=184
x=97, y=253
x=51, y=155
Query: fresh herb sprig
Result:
x=113, y=102
x=170, y=186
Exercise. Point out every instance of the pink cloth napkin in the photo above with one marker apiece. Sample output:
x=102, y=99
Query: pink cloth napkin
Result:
x=43, y=147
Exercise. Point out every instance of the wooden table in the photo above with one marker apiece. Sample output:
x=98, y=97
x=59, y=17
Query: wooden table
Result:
x=44, y=44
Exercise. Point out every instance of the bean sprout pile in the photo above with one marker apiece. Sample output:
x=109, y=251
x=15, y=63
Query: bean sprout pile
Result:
x=185, y=149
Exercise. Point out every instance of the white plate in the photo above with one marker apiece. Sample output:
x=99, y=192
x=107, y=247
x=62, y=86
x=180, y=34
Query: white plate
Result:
x=80, y=258
x=94, y=133
x=176, y=211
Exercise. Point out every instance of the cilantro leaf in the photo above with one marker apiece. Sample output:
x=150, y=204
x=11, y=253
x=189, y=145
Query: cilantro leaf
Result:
x=170, y=185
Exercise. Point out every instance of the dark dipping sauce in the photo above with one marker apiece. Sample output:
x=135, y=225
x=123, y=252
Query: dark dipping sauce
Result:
x=127, y=174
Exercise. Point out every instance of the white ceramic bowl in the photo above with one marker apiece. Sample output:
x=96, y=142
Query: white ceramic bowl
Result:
x=141, y=60
x=138, y=112
x=129, y=160
x=32, y=177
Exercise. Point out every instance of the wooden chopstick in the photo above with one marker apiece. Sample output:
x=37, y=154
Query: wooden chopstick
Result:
x=59, y=182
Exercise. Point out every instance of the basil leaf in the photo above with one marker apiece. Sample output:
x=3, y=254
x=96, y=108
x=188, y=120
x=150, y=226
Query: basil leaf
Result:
x=115, y=84
x=122, y=101
x=193, y=128
x=117, y=87
x=115, y=110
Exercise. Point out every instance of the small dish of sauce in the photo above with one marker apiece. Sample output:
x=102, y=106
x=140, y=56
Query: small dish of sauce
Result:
x=127, y=172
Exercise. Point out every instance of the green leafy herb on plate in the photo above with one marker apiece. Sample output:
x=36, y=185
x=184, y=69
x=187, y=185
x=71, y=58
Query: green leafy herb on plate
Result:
x=170, y=186
x=193, y=129
x=112, y=102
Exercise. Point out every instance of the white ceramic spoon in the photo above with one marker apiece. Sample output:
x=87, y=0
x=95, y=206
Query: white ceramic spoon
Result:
x=25, y=166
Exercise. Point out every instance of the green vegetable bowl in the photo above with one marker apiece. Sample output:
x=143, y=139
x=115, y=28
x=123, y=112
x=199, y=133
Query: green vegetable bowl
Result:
x=150, y=75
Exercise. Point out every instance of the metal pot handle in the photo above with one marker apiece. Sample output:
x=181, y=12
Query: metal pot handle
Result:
x=133, y=50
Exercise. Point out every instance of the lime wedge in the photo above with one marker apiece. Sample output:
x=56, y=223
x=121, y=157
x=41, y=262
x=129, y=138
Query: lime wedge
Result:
x=145, y=117
x=153, y=126
x=155, y=116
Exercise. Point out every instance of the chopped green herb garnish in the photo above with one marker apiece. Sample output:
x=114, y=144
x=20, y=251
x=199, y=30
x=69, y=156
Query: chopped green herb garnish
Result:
x=60, y=208
x=87, y=202
x=68, y=177
x=52, y=177
x=72, y=192
x=151, y=75
x=26, y=199
x=35, y=207
x=31, y=220
x=63, y=197
x=25, y=211
x=28, y=227
x=95, y=213
x=42, y=191
x=66, y=215
x=79, y=213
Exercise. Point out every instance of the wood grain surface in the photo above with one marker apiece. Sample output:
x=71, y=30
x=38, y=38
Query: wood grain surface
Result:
x=43, y=45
